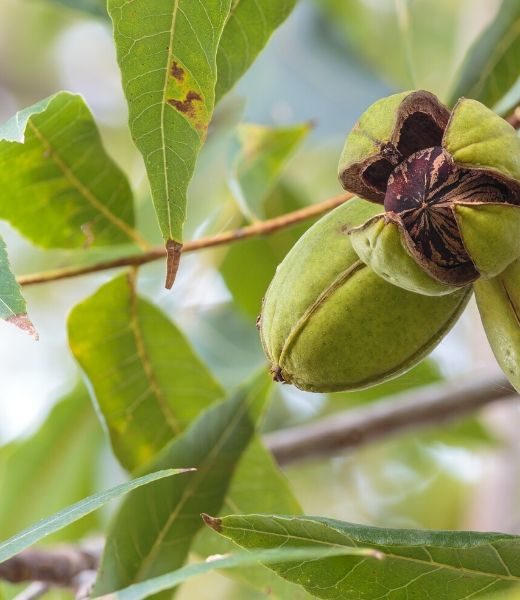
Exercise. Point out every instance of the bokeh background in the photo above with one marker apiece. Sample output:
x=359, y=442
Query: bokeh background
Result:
x=326, y=64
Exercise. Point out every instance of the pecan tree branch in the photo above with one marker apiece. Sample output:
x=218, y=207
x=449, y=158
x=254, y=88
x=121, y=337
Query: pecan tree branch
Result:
x=58, y=566
x=428, y=406
x=255, y=230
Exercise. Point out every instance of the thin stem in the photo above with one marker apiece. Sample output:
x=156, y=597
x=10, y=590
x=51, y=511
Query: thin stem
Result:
x=255, y=230
x=56, y=566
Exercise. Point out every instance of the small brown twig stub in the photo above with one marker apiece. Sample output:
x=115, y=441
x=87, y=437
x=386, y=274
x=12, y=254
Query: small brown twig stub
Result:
x=173, y=260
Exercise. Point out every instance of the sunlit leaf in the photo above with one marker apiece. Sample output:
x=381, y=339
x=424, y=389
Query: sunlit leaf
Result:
x=154, y=528
x=72, y=513
x=231, y=561
x=58, y=186
x=147, y=380
x=59, y=460
x=248, y=267
x=247, y=31
x=452, y=565
x=12, y=304
x=492, y=64
x=260, y=154
x=167, y=56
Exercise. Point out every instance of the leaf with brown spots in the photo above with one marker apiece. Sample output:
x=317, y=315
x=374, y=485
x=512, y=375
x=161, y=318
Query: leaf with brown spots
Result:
x=177, y=71
x=167, y=56
x=186, y=106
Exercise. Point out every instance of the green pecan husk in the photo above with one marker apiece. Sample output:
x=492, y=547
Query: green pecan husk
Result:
x=498, y=301
x=450, y=186
x=329, y=323
x=440, y=215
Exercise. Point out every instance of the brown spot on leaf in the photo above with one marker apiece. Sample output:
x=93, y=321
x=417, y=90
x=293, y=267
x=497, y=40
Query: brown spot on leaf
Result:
x=186, y=106
x=24, y=323
x=177, y=71
x=212, y=522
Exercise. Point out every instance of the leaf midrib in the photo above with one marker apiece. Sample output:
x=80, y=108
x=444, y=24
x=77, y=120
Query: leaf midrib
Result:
x=155, y=387
x=386, y=553
x=92, y=199
x=163, y=112
x=202, y=469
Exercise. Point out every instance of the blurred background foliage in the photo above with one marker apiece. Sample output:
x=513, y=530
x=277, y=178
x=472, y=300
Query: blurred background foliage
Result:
x=329, y=61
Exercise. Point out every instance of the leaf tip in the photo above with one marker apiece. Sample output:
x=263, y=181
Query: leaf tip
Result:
x=23, y=322
x=173, y=259
x=212, y=522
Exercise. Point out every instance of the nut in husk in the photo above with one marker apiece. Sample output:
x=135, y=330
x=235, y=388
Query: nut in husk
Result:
x=329, y=323
x=450, y=187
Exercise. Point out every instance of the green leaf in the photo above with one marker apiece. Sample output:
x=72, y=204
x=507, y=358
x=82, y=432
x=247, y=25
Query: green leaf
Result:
x=260, y=154
x=250, y=25
x=58, y=186
x=248, y=267
x=452, y=565
x=230, y=561
x=492, y=64
x=147, y=380
x=12, y=304
x=59, y=460
x=154, y=528
x=257, y=486
x=167, y=56
x=72, y=513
